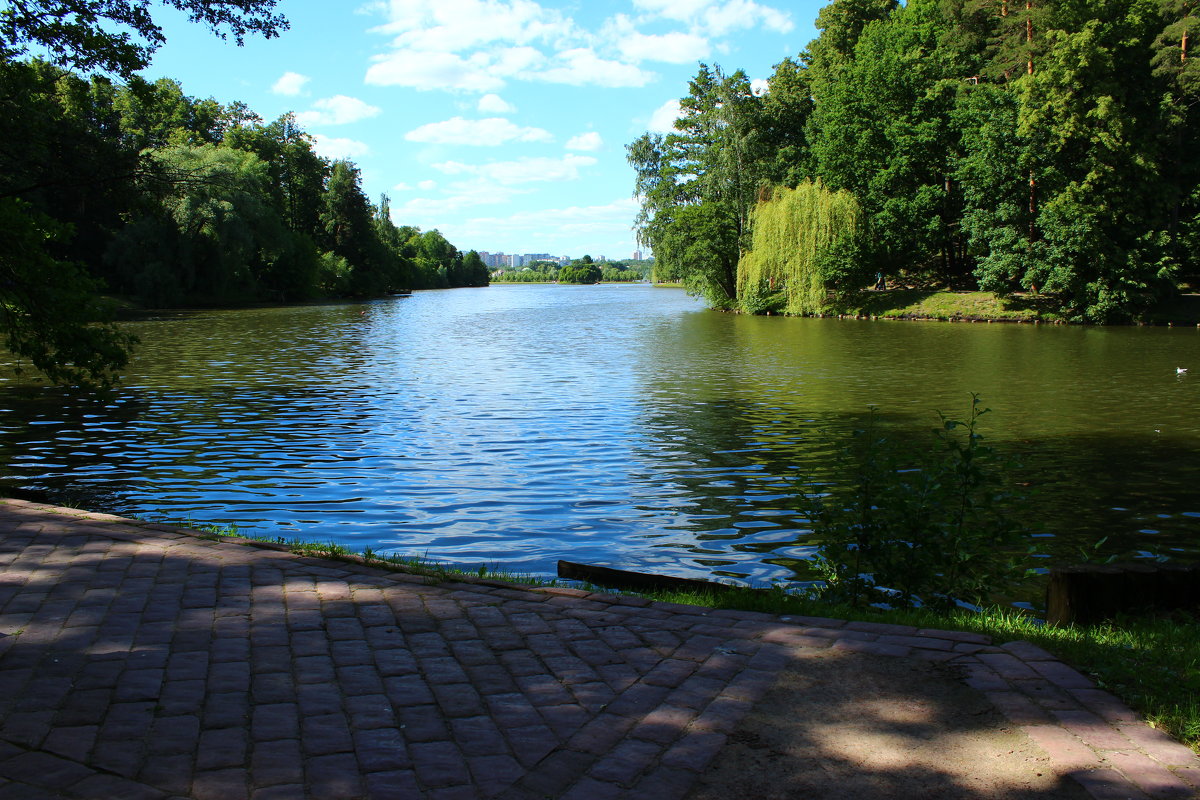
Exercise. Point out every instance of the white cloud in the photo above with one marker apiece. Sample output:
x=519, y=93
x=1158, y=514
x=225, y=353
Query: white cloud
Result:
x=481, y=132
x=337, y=110
x=574, y=224
x=427, y=185
x=588, y=142
x=495, y=104
x=428, y=70
x=523, y=170
x=718, y=17
x=481, y=45
x=402, y=187
x=760, y=86
x=335, y=149
x=435, y=210
x=455, y=25
x=663, y=118
x=581, y=67
x=673, y=48
x=290, y=83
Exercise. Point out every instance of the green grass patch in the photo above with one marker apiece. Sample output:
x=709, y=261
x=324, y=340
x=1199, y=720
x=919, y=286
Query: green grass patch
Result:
x=945, y=305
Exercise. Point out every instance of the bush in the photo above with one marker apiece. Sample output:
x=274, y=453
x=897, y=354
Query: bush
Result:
x=926, y=528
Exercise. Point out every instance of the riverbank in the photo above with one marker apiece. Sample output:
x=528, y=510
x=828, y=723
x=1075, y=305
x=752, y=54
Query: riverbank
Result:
x=965, y=306
x=1150, y=663
x=217, y=669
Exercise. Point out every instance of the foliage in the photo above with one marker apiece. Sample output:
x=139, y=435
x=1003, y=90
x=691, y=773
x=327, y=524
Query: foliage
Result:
x=83, y=34
x=698, y=185
x=798, y=237
x=1048, y=147
x=49, y=310
x=916, y=528
x=580, y=271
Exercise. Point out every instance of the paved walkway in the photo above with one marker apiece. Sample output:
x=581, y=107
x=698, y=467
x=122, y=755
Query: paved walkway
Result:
x=141, y=661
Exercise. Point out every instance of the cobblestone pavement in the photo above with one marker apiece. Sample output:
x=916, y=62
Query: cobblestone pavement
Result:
x=142, y=661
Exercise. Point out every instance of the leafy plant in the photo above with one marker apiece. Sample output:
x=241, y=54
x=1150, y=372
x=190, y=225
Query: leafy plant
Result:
x=916, y=528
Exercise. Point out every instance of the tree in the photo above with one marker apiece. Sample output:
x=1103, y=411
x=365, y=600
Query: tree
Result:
x=104, y=34
x=698, y=186
x=51, y=313
x=474, y=271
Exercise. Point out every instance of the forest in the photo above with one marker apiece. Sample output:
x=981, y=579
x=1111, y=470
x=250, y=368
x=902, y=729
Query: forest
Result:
x=114, y=188
x=1029, y=148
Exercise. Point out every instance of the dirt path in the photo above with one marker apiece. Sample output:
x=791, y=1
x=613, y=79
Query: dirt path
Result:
x=867, y=727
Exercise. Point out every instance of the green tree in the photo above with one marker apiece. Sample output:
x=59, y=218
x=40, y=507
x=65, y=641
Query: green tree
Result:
x=698, y=186
x=474, y=271
x=119, y=36
x=50, y=310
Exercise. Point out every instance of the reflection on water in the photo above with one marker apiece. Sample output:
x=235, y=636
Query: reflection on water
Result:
x=623, y=425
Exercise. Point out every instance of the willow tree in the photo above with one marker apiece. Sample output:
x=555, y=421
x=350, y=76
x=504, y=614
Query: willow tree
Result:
x=801, y=250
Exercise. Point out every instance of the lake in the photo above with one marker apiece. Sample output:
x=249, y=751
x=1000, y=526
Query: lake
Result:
x=622, y=425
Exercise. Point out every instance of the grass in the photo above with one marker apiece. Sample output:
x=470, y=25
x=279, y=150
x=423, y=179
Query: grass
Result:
x=946, y=305
x=1153, y=664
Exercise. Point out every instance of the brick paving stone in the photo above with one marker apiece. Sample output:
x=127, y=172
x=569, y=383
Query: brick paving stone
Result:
x=493, y=774
x=665, y=783
x=370, y=711
x=1092, y=729
x=1046, y=694
x=1150, y=776
x=1104, y=705
x=275, y=721
x=1107, y=784
x=277, y=762
x=439, y=764
x=458, y=699
x=1026, y=651
x=956, y=636
x=334, y=776
x=1008, y=666
x=422, y=724
x=381, y=750
x=1158, y=745
x=478, y=736
x=395, y=785
x=214, y=670
x=1018, y=708
x=172, y=774
x=695, y=750
x=112, y=787
x=71, y=742
x=1061, y=675
x=555, y=773
x=325, y=734
x=664, y=724
x=881, y=628
x=43, y=769
x=531, y=744
x=1066, y=751
x=221, y=749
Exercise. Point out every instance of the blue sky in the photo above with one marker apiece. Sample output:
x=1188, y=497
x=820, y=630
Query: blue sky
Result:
x=502, y=123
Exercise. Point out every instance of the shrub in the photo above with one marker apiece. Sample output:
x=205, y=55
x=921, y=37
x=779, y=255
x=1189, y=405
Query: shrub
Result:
x=916, y=528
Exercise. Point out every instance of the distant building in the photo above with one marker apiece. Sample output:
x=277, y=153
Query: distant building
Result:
x=637, y=255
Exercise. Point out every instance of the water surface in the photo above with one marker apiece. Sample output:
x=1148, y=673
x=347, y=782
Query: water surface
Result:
x=621, y=425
